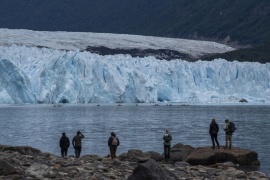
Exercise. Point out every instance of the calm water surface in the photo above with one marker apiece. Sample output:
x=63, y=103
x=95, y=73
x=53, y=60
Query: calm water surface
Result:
x=138, y=127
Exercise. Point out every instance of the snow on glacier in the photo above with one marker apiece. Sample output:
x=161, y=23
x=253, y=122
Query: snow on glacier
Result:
x=43, y=75
x=73, y=41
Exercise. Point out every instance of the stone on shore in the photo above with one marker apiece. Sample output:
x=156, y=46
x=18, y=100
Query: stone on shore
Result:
x=151, y=170
x=179, y=152
x=209, y=156
x=28, y=163
x=25, y=150
x=6, y=168
x=137, y=155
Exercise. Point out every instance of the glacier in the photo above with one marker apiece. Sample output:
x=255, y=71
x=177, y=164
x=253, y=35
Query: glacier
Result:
x=46, y=75
x=84, y=41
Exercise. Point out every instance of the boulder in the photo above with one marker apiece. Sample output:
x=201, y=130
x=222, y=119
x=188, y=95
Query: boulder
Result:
x=24, y=150
x=179, y=152
x=6, y=168
x=16, y=166
x=243, y=100
x=209, y=156
x=151, y=170
x=37, y=170
x=137, y=155
x=154, y=155
x=122, y=157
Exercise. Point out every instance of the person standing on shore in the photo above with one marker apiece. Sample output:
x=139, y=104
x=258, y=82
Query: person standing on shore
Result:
x=77, y=143
x=64, y=144
x=228, y=140
x=113, y=142
x=213, y=131
x=167, y=138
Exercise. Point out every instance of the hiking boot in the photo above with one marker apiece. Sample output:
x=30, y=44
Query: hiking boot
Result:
x=213, y=147
x=225, y=147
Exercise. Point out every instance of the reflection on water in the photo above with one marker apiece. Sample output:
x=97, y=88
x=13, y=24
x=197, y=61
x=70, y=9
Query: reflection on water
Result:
x=138, y=127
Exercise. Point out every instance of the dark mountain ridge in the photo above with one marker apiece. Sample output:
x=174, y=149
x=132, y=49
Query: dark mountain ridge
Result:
x=241, y=23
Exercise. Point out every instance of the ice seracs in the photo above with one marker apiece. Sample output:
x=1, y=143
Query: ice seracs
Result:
x=42, y=75
x=52, y=67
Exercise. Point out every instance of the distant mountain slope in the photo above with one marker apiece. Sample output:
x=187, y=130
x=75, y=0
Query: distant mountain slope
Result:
x=244, y=21
x=259, y=54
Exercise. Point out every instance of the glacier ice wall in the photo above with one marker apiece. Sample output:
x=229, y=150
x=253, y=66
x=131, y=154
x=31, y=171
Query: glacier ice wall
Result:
x=35, y=75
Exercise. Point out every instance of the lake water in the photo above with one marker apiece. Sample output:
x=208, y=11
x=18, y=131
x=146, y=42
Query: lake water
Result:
x=138, y=127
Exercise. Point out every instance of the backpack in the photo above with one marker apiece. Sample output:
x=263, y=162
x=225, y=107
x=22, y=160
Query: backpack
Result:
x=232, y=127
x=114, y=141
x=167, y=138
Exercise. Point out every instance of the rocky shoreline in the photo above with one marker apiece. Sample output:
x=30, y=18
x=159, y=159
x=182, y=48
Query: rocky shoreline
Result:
x=27, y=163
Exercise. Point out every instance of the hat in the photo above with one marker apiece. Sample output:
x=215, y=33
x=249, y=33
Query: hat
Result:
x=78, y=132
x=226, y=120
x=113, y=134
x=167, y=131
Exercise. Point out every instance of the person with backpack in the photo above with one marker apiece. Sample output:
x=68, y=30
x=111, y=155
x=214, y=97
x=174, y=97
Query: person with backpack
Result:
x=64, y=144
x=167, y=138
x=113, y=142
x=77, y=143
x=229, y=129
x=213, y=131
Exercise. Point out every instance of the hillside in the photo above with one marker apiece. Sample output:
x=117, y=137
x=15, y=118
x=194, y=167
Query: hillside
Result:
x=259, y=54
x=244, y=21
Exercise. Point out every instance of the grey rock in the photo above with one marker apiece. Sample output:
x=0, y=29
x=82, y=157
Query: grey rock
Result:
x=154, y=155
x=179, y=152
x=151, y=170
x=243, y=100
x=17, y=166
x=182, y=164
x=208, y=156
x=137, y=155
x=24, y=150
x=37, y=170
x=122, y=157
x=6, y=168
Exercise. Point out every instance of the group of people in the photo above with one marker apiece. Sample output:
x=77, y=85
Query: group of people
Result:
x=76, y=142
x=64, y=144
x=213, y=131
x=113, y=141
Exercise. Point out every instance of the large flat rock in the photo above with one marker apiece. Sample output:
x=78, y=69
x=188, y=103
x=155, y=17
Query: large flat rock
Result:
x=209, y=156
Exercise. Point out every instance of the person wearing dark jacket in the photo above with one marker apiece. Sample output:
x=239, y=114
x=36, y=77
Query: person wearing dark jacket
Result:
x=167, y=138
x=77, y=143
x=113, y=142
x=213, y=131
x=64, y=144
